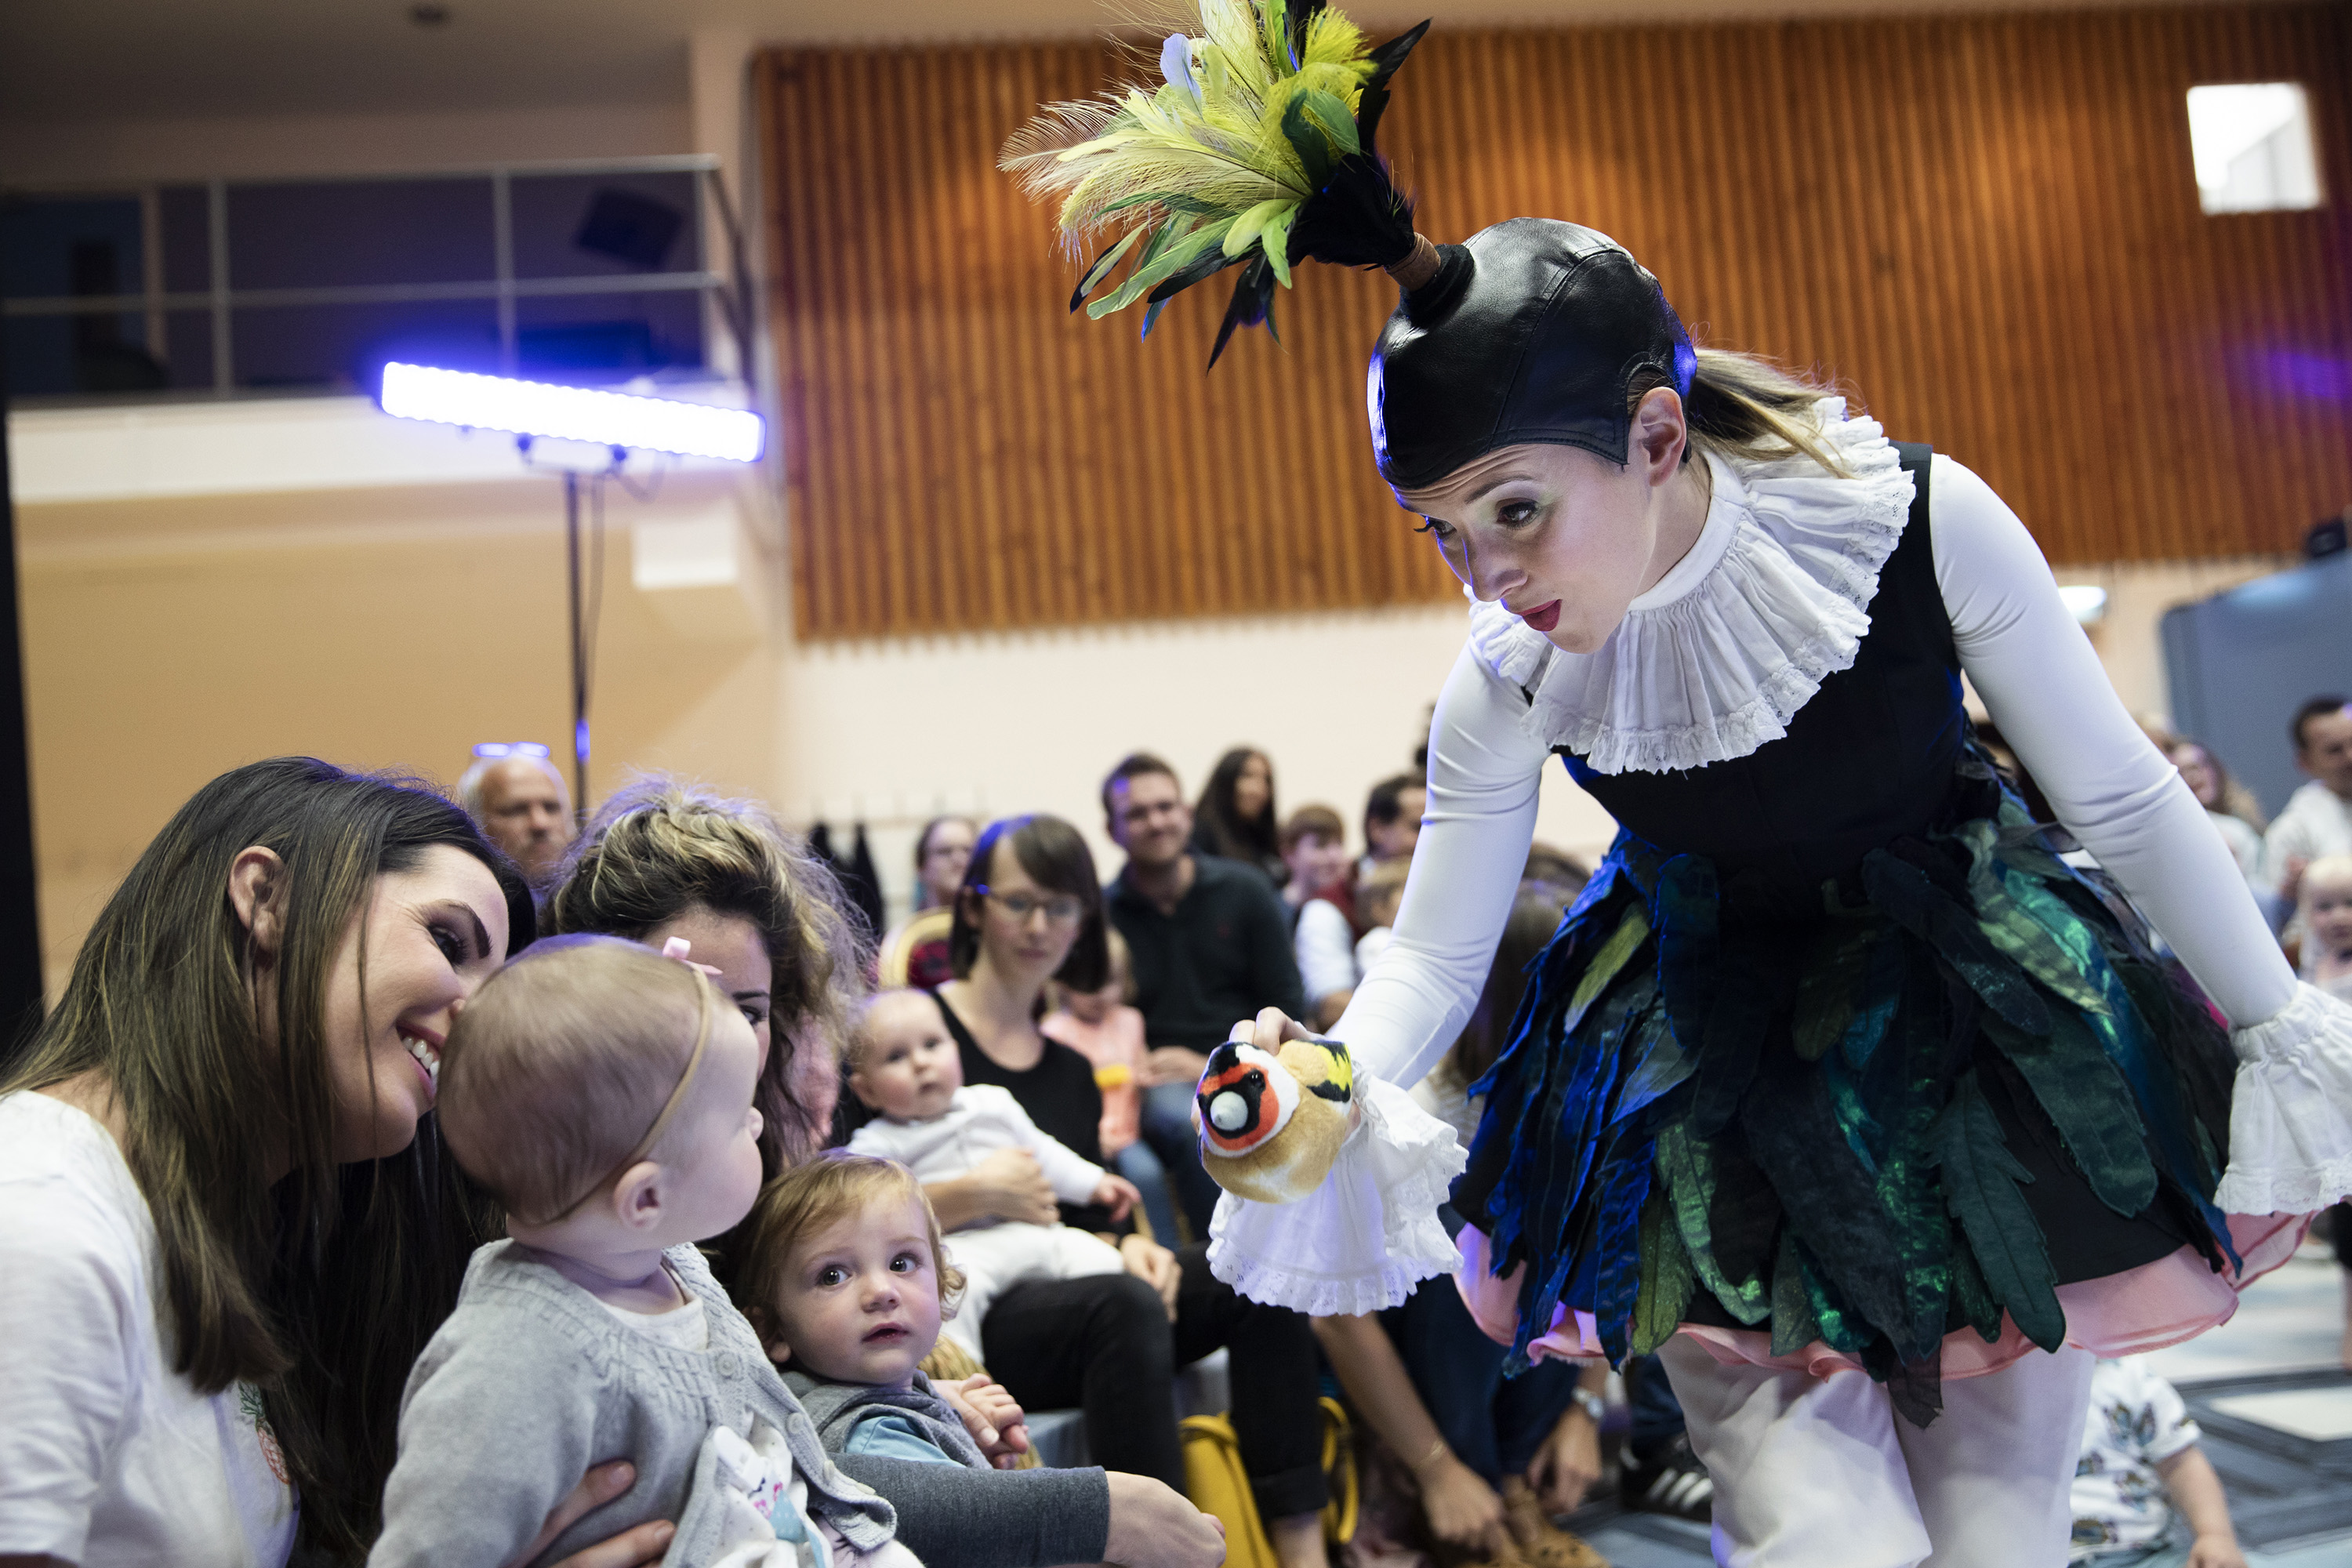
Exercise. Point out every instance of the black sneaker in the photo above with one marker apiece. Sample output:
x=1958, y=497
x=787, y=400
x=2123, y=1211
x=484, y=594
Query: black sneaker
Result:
x=1674, y=1482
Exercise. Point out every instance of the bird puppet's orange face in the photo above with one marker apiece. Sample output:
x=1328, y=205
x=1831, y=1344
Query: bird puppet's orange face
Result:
x=1271, y=1125
x=1245, y=1098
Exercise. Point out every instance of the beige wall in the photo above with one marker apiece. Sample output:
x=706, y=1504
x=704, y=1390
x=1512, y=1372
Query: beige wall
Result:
x=180, y=618
x=170, y=637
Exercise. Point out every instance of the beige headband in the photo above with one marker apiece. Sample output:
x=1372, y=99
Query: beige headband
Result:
x=670, y=1107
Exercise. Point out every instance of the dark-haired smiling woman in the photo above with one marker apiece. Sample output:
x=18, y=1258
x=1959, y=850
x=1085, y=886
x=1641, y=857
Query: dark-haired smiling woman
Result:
x=226, y=1223
x=1030, y=910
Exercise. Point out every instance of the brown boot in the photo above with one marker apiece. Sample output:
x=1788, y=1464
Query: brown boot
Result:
x=1542, y=1543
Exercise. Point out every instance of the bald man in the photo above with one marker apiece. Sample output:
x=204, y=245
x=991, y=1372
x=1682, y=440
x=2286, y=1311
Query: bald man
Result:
x=523, y=804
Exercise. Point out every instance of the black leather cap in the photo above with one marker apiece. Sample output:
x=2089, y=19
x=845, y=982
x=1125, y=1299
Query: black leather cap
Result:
x=1531, y=333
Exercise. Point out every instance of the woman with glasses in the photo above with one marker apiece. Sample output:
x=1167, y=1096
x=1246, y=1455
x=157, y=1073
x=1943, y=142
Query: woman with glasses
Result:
x=1030, y=910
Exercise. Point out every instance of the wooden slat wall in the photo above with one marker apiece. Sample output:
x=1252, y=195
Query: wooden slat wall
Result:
x=1985, y=224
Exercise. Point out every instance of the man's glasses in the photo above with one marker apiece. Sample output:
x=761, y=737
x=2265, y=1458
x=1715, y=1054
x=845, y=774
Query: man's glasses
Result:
x=509, y=748
x=1061, y=909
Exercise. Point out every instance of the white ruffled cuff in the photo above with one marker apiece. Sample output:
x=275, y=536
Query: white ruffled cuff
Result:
x=2291, y=1111
x=1363, y=1240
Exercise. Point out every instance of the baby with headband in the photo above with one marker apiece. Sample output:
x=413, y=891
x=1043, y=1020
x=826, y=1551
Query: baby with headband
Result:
x=602, y=1093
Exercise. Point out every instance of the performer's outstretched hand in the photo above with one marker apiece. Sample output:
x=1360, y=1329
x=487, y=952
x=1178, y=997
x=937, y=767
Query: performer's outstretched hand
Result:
x=1273, y=1108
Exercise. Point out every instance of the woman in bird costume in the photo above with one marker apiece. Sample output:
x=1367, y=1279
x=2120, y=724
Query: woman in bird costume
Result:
x=1837, y=1087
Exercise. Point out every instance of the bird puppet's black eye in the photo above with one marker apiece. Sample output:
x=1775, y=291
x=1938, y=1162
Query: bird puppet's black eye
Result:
x=1255, y=1079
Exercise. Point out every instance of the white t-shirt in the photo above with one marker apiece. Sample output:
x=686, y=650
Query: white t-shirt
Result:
x=2317, y=821
x=107, y=1456
x=686, y=1327
x=2136, y=1420
x=1326, y=949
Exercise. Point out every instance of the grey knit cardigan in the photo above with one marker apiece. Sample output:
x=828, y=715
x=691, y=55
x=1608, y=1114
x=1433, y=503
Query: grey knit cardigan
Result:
x=532, y=1380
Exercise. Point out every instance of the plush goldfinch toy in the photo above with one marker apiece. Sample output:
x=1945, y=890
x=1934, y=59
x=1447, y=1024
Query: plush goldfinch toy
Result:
x=1271, y=1125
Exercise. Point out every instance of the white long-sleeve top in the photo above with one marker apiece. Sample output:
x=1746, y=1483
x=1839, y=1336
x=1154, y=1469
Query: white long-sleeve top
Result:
x=1785, y=555
x=2038, y=677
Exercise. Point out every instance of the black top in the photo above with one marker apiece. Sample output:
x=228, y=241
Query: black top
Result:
x=1223, y=955
x=1058, y=1093
x=1869, y=759
x=1874, y=759
x=1207, y=840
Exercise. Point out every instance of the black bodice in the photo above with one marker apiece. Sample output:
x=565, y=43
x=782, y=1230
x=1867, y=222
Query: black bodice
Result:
x=1868, y=759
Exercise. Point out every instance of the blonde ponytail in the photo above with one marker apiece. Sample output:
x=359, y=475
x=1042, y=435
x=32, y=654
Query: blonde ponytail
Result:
x=1740, y=405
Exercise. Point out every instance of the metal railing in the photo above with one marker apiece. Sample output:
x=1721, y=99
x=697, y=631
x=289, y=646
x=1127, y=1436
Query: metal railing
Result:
x=223, y=299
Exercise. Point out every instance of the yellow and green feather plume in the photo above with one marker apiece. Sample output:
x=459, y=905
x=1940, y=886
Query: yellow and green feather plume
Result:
x=1254, y=118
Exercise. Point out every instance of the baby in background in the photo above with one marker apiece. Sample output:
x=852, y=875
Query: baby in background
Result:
x=845, y=1278
x=2324, y=909
x=1378, y=896
x=1101, y=1027
x=904, y=1064
x=602, y=1094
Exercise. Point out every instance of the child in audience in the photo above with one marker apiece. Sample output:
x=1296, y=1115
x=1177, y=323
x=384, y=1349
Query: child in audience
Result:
x=2138, y=1445
x=2324, y=912
x=602, y=1093
x=848, y=1284
x=1378, y=894
x=2323, y=909
x=1101, y=1027
x=1322, y=898
x=904, y=1064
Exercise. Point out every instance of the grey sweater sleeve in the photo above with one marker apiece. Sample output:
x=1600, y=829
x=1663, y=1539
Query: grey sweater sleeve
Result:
x=992, y=1519
x=496, y=1425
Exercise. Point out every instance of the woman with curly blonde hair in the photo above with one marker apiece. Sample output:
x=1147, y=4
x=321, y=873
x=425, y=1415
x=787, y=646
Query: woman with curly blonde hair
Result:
x=665, y=859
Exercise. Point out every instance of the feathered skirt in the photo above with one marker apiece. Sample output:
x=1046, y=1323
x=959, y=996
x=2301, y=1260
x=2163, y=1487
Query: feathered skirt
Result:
x=1914, y=1120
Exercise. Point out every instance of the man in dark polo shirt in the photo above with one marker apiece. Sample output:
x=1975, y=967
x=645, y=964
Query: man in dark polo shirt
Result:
x=1210, y=946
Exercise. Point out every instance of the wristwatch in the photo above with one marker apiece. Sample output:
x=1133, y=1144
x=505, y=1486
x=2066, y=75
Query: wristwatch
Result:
x=1592, y=1404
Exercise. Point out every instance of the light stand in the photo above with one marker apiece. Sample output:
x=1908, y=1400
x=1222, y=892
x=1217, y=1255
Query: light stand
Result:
x=579, y=644
x=576, y=421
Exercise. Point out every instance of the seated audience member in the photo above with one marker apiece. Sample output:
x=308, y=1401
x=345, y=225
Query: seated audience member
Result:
x=2324, y=914
x=664, y=858
x=1235, y=818
x=2229, y=804
x=1030, y=911
x=1660, y=1473
x=1392, y=818
x=1493, y=1456
x=1101, y=1027
x=2142, y=1482
x=228, y=1224
x=848, y=1283
x=1321, y=894
x=602, y=1094
x=522, y=802
x=904, y=1065
x=914, y=952
x=1555, y=873
x=2318, y=818
x=1378, y=893
x=1211, y=946
x=942, y=850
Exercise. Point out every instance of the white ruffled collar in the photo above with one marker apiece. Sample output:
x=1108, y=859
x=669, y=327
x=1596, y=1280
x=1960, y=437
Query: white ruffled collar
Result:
x=1712, y=661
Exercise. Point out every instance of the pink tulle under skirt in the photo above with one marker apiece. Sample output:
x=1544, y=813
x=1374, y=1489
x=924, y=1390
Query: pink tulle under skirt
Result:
x=2176, y=1297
